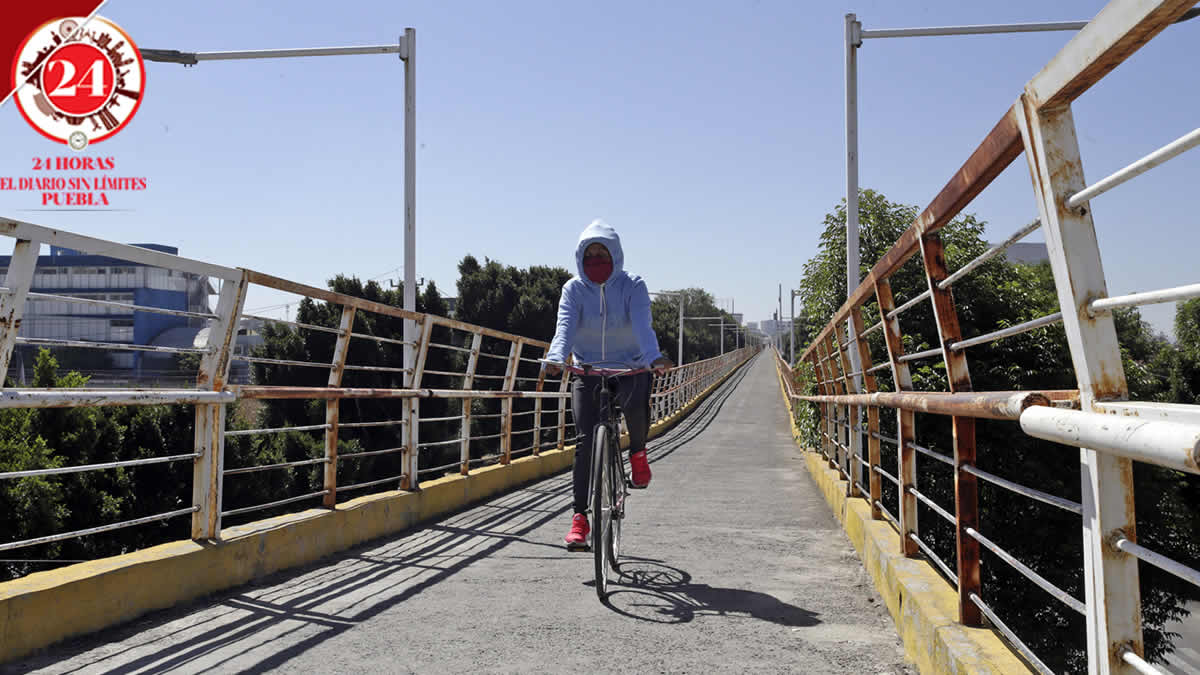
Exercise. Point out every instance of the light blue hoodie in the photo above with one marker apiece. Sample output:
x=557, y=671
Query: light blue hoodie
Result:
x=604, y=322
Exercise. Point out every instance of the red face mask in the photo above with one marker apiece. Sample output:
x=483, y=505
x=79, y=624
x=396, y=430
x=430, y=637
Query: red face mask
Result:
x=597, y=268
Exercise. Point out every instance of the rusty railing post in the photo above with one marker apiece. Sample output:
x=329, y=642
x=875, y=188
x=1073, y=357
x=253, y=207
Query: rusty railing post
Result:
x=468, y=403
x=851, y=386
x=537, y=408
x=208, y=470
x=411, y=455
x=906, y=430
x=1110, y=577
x=12, y=304
x=966, y=486
x=333, y=406
x=870, y=387
x=506, y=405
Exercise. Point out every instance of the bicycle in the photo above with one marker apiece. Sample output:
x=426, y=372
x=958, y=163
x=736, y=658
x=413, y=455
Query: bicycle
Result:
x=606, y=494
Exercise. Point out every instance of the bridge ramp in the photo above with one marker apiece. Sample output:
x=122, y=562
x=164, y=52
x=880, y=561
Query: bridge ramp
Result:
x=736, y=565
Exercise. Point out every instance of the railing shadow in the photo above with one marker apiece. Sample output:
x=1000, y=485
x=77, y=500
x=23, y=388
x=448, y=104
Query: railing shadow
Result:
x=653, y=591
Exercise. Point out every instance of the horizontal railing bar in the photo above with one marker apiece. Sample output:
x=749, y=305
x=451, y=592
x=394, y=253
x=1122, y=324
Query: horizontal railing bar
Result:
x=1036, y=578
x=490, y=377
x=451, y=418
x=308, y=326
x=278, y=393
x=1065, y=504
x=134, y=254
x=1147, y=298
x=96, y=467
x=499, y=357
x=1169, y=444
x=1159, y=156
x=997, y=405
x=1138, y=663
x=1007, y=332
x=438, y=444
x=883, y=366
x=280, y=362
x=382, y=423
x=989, y=254
x=492, y=416
x=272, y=467
x=377, y=369
x=523, y=413
x=519, y=433
x=430, y=469
x=872, y=329
x=888, y=514
x=331, y=297
x=933, y=557
x=444, y=373
x=359, y=486
x=924, y=295
x=77, y=398
x=452, y=348
x=887, y=439
x=484, y=438
x=376, y=338
x=949, y=517
x=1157, y=559
x=528, y=360
x=931, y=453
x=88, y=344
x=96, y=530
x=1012, y=637
x=277, y=430
x=31, y=295
x=527, y=379
x=370, y=453
x=281, y=502
x=879, y=470
x=920, y=355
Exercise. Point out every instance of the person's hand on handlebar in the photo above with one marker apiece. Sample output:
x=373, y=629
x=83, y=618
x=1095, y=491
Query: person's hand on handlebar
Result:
x=661, y=365
x=553, y=370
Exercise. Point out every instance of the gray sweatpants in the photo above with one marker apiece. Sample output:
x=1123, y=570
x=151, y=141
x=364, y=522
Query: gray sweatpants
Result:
x=633, y=395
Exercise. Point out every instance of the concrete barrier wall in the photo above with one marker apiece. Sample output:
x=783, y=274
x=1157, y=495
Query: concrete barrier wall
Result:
x=47, y=607
x=921, y=602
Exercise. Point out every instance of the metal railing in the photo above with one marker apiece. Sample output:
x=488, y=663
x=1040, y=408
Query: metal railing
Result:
x=485, y=388
x=1096, y=417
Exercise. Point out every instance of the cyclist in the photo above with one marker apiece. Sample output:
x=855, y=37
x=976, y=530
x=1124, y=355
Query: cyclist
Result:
x=604, y=316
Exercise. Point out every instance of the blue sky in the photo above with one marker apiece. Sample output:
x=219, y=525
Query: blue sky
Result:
x=710, y=134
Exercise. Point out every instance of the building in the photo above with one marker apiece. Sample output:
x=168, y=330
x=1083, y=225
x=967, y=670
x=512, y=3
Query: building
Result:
x=70, y=273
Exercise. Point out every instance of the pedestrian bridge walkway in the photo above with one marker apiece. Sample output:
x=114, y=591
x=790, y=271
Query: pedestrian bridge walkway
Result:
x=736, y=564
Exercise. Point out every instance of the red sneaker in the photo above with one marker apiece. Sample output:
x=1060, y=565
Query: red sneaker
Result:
x=577, y=538
x=641, y=470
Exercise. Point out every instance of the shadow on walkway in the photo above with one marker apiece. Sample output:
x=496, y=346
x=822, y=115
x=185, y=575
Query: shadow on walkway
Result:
x=650, y=590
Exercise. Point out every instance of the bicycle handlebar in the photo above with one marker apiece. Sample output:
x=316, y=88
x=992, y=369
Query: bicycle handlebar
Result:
x=590, y=369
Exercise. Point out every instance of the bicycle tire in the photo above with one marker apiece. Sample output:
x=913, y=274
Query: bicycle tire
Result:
x=601, y=507
x=613, y=541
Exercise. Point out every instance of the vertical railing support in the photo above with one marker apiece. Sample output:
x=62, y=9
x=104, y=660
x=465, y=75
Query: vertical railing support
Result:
x=411, y=455
x=208, y=469
x=333, y=406
x=468, y=403
x=850, y=382
x=906, y=426
x=966, y=487
x=506, y=405
x=870, y=387
x=12, y=304
x=1110, y=577
x=537, y=408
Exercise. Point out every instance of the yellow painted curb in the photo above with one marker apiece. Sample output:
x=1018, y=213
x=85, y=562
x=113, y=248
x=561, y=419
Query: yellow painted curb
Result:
x=45, y=607
x=923, y=605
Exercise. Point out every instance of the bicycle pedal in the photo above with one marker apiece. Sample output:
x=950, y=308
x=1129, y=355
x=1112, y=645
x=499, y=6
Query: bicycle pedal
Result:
x=579, y=548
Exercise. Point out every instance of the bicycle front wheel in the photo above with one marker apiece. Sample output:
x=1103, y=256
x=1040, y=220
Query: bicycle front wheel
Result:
x=602, y=506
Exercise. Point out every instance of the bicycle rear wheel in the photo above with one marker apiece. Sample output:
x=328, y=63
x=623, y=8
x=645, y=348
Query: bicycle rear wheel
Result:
x=602, y=507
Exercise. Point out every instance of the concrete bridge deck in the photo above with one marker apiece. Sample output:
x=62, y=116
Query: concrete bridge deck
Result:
x=736, y=564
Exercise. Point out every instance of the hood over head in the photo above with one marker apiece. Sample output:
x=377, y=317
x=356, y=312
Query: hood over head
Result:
x=603, y=233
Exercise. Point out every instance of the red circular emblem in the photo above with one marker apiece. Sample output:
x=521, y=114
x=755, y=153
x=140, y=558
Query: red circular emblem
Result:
x=78, y=83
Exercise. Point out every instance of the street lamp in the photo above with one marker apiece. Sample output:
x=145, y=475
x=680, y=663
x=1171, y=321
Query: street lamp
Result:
x=406, y=48
x=792, y=330
x=722, y=318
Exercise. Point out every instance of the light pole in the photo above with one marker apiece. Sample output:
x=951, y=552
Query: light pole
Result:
x=682, y=297
x=406, y=48
x=792, y=330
